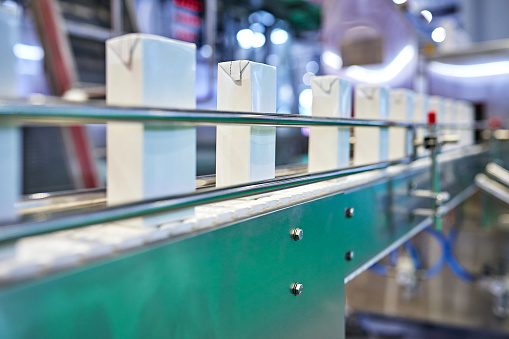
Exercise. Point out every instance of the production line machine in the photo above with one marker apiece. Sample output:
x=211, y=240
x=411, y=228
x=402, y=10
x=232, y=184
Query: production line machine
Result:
x=163, y=255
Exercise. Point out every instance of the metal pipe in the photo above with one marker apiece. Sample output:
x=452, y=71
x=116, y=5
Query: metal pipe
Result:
x=117, y=17
x=210, y=40
x=435, y=176
x=70, y=113
x=170, y=203
x=492, y=187
x=51, y=202
x=497, y=171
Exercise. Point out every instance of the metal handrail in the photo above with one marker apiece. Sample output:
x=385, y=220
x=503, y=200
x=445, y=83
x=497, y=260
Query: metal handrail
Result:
x=50, y=202
x=99, y=113
x=20, y=111
x=498, y=172
x=171, y=203
x=492, y=187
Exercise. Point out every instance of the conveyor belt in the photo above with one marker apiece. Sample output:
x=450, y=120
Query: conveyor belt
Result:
x=69, y=248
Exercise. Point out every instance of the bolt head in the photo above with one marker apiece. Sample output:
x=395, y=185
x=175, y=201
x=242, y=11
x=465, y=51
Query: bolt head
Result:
x=349, y=212
x=297, y=234
x=442, y=197
x=296, y=288
x=349, y=255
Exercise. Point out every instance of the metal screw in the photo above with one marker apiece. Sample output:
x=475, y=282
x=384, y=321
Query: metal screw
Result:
x=296, y=288
x=349, y=255
x=349, y=212
x=442, y=197
x=297, y=234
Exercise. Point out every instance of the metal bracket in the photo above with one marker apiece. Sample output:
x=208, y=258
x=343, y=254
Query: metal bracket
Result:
x=430, y=142
x=440, y=197
x=449, y=139
x=428, y=212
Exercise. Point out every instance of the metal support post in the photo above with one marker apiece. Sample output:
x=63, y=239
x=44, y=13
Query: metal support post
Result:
x=432, y=143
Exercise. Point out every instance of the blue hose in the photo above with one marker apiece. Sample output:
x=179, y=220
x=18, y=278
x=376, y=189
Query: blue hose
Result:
x=454, y=265
x=440, y=263
x=393, y=258
x=447, y=257
x=379, y=269
x=414, y=254
x=416, y=259
x=382, y=269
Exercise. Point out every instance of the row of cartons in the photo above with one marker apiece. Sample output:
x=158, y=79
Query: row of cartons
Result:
x=147, y=161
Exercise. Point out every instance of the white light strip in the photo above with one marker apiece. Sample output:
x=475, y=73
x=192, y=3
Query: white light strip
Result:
x=470, y=71
x=386, y=73
x=331, y=59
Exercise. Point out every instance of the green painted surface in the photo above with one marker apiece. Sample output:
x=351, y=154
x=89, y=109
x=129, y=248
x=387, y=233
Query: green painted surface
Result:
x=232, y=282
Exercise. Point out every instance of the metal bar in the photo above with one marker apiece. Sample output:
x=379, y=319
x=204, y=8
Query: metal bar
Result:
x=435, y=176
x=411, y=132
x=497, y=171
x=175, y=202
x=117, y=17
x=70, y=113
x=424, y=212
x=101, y=114
x=492, y=187
x=210, y=39
x=165, y=204
x=64, y=200
x=440, y=197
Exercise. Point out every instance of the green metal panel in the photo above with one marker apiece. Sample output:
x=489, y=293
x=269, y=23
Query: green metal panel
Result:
x=232, y=282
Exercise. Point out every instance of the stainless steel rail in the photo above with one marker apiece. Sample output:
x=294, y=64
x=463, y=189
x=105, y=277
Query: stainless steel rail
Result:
x=65, y=200
x=51, y=111
x=498, y=172
x=68, y=113
x=97, y=113
x=170, y=203
x=492, y=187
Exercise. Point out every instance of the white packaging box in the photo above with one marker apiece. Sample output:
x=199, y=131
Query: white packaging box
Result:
x=329, y=147
x=245, y=153
x=465, y=113
x=401, y=109
x=10, y=137
x=421, y=109
x=150, y=160
x=371, y=143
x=450, y=117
